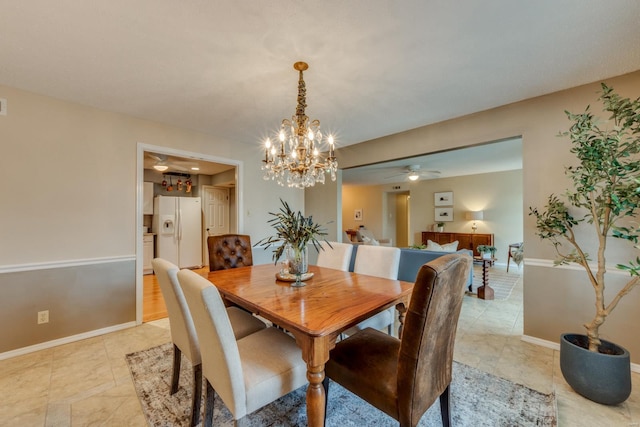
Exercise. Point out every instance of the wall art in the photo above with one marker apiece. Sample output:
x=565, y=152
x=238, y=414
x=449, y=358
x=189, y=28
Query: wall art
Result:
x=444, y=214
x=443, y=198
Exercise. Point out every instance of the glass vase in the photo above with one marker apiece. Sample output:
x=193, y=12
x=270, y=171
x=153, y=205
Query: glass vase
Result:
x=298, y=260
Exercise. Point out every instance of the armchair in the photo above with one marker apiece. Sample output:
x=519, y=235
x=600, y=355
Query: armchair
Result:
x=366, y=236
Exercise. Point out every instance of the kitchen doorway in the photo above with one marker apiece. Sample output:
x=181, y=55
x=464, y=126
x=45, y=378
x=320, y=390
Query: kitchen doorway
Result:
x=225, y=174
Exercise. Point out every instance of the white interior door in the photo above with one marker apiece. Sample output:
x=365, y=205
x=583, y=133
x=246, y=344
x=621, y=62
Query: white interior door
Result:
x=190, y=232
x=216, y=213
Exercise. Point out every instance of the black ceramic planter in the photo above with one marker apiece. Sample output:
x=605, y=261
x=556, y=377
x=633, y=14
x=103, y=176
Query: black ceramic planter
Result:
x=602, y=378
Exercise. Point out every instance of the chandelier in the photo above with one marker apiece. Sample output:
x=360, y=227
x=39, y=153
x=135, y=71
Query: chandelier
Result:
x=295, y=160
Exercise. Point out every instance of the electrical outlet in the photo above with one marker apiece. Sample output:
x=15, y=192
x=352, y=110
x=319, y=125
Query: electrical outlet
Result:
x=43, y=317
x=3, y=107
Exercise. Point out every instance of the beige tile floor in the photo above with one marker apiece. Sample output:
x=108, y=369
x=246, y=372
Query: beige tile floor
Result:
x=88, y=383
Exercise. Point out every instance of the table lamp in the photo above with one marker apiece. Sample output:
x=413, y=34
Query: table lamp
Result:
x=474, y=216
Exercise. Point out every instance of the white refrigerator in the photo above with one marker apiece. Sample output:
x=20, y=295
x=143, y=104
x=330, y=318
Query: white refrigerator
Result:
x=177, y=222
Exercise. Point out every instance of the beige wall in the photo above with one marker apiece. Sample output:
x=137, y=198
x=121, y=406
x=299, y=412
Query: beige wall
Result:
x=556, y=299
x=372, y=202
x=71, y=195
x=69, y=205
x=322, y=202
x=72, y=171
x=499, y=195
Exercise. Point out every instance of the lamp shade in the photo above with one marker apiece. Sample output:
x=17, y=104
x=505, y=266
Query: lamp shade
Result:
x=474, y=215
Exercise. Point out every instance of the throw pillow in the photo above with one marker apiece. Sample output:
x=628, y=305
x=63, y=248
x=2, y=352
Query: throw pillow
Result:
x=451, y=247
x=435, y=247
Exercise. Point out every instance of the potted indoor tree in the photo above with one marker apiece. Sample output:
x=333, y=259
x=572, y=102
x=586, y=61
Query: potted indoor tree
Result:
x=605, y=197
x=293, y=233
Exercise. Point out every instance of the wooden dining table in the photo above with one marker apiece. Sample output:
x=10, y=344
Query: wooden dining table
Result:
x=315, y=314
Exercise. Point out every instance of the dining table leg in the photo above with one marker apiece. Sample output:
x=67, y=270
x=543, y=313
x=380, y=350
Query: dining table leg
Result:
x=315, y=352
x=316, y=397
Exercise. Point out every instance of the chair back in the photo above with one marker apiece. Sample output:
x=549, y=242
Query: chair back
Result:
x=363, y=234
x=229, y=251
x=336, y=256
x=183, y=333
x=426, y=350
x=380, y=261
x=220, y=356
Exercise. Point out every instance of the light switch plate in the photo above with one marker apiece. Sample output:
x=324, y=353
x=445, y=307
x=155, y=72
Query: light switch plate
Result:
x=3, y=106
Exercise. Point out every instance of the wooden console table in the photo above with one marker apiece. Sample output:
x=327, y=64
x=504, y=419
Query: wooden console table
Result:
x=465, y=240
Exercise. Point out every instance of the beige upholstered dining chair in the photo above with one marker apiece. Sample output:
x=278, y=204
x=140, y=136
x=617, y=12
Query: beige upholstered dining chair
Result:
x=183, y=333
x=335, y=255
x=380, y=261
x=248, y=373
x=403, y=377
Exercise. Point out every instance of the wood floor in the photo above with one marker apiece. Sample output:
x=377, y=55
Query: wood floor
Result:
x=153, y=306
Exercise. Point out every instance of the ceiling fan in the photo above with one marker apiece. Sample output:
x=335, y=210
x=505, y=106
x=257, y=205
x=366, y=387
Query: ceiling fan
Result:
x=164, y=163
x=414, y=173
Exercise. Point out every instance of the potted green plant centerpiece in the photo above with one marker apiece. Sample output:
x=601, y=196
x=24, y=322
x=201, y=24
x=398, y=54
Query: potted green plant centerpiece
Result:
x=487, y=251
x=604, y=199
x=293, y=232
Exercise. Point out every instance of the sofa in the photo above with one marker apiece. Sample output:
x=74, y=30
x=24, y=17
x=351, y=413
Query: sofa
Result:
x=412, y=259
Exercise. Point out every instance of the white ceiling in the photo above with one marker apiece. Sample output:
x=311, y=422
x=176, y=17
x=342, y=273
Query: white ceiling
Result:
x=494, y=157
x=377, y=67
x=183, y=165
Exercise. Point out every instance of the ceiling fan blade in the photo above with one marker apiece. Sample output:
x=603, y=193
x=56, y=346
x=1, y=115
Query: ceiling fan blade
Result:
x=394, y=176
x=157, y=157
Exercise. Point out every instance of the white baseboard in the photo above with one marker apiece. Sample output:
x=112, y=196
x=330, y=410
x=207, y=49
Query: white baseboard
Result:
x=555, y=346
x=65, y=340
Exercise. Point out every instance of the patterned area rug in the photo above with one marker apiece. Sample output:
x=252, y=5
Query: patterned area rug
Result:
x=478, y=399
x=500, y=281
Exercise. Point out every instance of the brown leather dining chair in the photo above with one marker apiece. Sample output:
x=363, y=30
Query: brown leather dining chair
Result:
x=229, y=251
x=403, y=377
